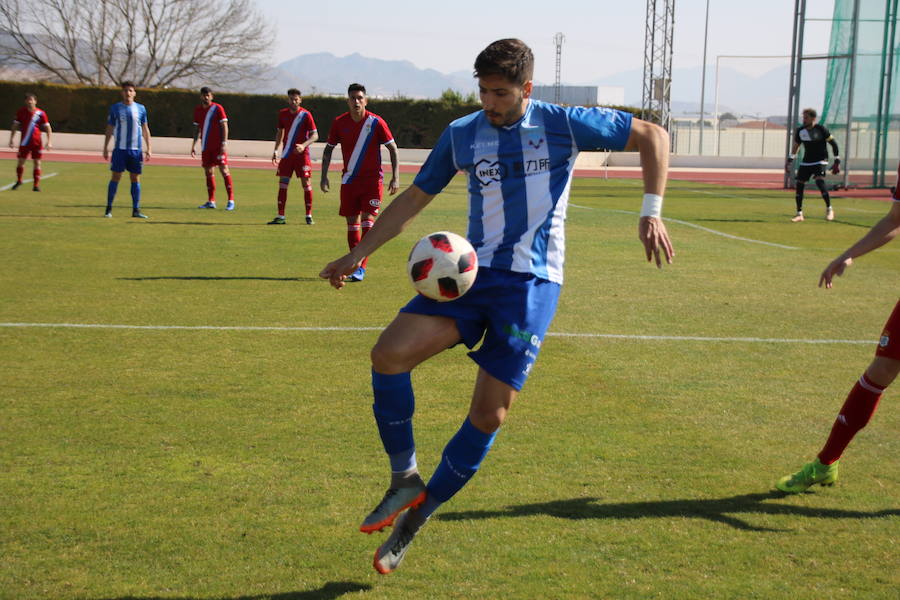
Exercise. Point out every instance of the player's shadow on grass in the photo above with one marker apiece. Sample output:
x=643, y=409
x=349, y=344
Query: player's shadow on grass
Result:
x=217, y=278
x=716, y=510
x=332, y=589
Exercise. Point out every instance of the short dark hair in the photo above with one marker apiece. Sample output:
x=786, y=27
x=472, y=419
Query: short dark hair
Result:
x=127, y=84
x=30, y=95
x=811, y=112
x=356, y=87
x=294, y=92
x=510, y=58
x=205, y=90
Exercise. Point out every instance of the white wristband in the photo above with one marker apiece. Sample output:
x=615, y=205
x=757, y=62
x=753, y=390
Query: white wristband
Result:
x=652, y=206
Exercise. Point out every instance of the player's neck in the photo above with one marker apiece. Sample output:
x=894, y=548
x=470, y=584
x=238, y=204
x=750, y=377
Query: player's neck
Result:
x=361, y=116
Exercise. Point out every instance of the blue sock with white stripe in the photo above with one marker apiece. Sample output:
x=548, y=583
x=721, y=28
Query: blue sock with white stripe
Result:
x=111, y=194
x=393, y=407
x=135, y=195
x=462, y=457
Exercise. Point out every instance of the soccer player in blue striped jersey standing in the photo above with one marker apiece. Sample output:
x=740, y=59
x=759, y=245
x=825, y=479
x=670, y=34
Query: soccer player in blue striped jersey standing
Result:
x=518, y=155
x=128, y=123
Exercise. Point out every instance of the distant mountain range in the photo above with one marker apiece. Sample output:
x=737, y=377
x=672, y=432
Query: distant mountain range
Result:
x=325, y=73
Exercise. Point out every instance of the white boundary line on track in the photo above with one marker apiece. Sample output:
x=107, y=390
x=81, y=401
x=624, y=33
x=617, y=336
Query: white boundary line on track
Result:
x=9, y=186
x=695, y=226
x=614, y=336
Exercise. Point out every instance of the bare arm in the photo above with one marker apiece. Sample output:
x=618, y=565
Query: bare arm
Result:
x=106, y=137
x=313, y=137
x=881, y=233
x=394, y=184
x=790, y=159
x=278, y=133
x=49, y=131
x=392, y=221
x=326, y=161
x=652, y=142
x=146, y=129
x=196, y=137
x=12, y=132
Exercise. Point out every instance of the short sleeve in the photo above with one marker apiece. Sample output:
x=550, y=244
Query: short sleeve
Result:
x=111, y=119
x=384, y=132
x=797, y=139
x=333, y=137
x=598, y=127
x=222, y=115
x=312, y=122
x=439, y=167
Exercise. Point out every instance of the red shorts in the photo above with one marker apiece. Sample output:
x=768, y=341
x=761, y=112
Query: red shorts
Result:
x=361, y=196
x=214, y=158
x=889, y=343
x=35, y=151
x=298, y=164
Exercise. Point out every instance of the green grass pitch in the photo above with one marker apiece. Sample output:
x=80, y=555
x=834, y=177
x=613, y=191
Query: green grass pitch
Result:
x=217, y=463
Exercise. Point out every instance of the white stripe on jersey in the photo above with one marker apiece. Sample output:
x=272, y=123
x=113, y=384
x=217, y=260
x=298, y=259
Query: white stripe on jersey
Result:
x=289, y=140
x=29, y=129
x=206, y=122
x=350, y=167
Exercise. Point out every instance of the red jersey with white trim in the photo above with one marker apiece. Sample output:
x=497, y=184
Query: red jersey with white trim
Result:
x=360, y=144
x=296, y=128
x=31, y=124
x=209, y=119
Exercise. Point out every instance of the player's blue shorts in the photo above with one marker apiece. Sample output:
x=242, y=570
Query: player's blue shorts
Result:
x=126, y=160
x=512, y=311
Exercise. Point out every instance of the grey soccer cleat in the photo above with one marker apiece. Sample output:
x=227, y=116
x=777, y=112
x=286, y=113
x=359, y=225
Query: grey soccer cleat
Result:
x=395, y=501
x=390, y=554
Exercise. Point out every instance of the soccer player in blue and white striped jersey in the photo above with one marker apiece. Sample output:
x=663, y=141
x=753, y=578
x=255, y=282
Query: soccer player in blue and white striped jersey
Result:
x=127, y=122
x=518, y=155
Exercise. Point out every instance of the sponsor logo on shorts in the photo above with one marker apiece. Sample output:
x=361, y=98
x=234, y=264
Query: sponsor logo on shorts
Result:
x=527, y=336
x=375, y=202
x=884, y=341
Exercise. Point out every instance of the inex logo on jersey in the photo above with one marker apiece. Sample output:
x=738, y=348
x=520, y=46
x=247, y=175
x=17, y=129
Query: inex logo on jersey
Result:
x=488, y=172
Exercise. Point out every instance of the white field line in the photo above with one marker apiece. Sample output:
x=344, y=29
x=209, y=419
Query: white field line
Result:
x=8, y=186
x=748, y=198
x=614, y=336
x=695, y=226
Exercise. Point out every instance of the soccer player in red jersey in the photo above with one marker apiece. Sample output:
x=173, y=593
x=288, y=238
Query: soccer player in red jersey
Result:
x=863, y=399
x=295, y=134
x=30, y=121
x=361, y=135
x=211, y=125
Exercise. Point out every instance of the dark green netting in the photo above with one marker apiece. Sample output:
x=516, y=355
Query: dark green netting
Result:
x=862, y=104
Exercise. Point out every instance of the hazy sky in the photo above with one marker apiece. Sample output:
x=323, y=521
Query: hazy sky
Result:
x=602, y=37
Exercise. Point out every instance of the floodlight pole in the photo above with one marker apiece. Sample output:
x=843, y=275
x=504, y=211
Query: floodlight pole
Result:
x=703, y=78
x=557, y=89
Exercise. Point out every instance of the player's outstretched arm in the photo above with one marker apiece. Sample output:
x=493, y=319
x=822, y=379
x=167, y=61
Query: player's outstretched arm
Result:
x=652, y=142
x=389, y=224
x=881, y=233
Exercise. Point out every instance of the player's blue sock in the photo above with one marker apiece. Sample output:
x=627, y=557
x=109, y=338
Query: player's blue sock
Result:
x=135, y=195
x=393, y=407
x=462, y=457
x=111, y=194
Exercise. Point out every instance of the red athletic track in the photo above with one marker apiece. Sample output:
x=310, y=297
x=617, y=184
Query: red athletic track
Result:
x=746, y=178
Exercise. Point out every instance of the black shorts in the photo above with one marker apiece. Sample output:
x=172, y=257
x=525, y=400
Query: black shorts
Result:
x=807, y=171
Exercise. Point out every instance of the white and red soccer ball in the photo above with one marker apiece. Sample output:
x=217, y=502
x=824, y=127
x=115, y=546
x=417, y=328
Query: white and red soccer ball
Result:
x=442, y=266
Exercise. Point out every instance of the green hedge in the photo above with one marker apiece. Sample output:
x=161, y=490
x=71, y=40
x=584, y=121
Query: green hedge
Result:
x=81, y=109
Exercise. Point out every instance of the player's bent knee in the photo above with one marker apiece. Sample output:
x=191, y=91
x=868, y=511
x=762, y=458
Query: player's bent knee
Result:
x=487, y=421
x=883, y=371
